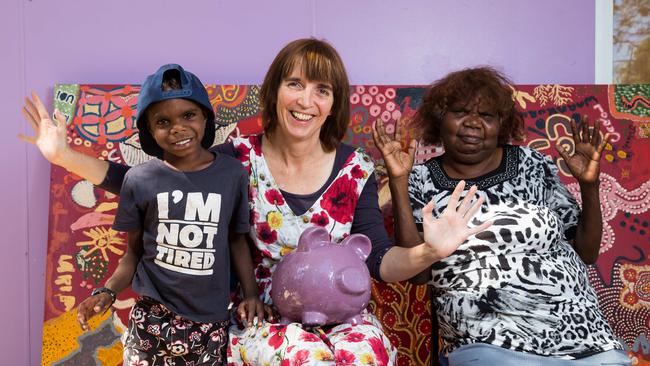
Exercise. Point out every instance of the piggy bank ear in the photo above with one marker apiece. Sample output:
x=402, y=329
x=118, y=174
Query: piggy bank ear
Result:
x=360, y=244
x=313, y=237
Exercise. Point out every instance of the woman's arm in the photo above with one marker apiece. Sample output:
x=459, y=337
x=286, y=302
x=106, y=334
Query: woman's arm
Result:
x=52, y=141
x=584, y=165
x=406, y=232
x=442, y=236
x=120, y=280
x=590, y=226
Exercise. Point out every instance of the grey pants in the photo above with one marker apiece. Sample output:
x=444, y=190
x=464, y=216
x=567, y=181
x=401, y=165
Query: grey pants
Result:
x=489, y=355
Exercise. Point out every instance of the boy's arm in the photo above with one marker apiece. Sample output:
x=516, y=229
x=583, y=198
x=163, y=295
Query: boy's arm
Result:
x=251, y=306
x=120, y=280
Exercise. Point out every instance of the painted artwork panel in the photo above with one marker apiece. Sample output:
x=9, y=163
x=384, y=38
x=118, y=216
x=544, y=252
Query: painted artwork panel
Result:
x=83, y=250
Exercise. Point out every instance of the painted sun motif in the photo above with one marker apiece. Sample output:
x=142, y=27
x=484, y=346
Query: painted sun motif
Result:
x=101, y=240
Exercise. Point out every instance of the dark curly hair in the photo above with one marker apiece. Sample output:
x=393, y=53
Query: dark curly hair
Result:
x=319, y=62
x=462, y=88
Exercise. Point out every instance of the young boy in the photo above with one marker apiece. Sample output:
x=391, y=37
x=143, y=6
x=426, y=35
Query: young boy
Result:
x=180, y=212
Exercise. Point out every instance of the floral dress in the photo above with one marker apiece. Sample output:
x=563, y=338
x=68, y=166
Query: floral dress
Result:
x=275, y=230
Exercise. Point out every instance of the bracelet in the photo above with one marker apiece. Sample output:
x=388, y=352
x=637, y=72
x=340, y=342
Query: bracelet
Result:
x=107, y=290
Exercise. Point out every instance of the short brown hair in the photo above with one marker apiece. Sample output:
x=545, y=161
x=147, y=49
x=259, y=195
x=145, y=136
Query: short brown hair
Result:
x=463, y=87
x=319, y=62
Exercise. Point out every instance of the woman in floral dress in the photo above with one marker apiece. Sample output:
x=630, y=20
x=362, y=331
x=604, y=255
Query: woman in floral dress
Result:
x=300, y=174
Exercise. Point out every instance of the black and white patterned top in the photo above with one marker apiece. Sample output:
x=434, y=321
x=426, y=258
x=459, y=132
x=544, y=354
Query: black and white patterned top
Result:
x=519, y=284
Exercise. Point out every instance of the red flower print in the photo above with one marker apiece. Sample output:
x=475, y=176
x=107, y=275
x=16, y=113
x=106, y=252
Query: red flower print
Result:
x=242, y=153
x=381, y=354
x=274, y=197
x=344, y=358
x=354, y=337
x=285, y=363
x=256, y=143
x=255, y=216
x=340, y=199
x=265, y=233
x=356, y=172
x=276, y=335
x=300, y=358
x=262, y=272
x=309, y=337
x=320, y=219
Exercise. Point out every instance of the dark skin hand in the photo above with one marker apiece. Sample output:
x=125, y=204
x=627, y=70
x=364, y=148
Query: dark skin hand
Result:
x=450, y=229
x=120, y=280
x=584, y=165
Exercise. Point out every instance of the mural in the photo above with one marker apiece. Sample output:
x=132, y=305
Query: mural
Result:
x=83, y=249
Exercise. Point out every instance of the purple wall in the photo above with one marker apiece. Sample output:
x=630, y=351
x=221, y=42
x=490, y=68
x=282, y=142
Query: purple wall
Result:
x=120, y=41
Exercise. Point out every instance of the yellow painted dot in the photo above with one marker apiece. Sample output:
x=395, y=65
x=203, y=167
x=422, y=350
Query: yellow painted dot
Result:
x=609, y=158
x=621, y=154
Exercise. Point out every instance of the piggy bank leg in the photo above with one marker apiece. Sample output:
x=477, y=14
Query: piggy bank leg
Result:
x=355, y=320
x=314, y=318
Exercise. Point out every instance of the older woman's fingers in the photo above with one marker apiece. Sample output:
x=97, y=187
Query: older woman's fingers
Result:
x=399, y=124
x=584, y=127
x=574, y=130
x=474, y=208
x=413, y=146
x=455, y=195
x=595, y=134
x=466, y=203
x=376, y=135
x=479, y=228
x=427, y=211
x=603, y=143
x=562, y=150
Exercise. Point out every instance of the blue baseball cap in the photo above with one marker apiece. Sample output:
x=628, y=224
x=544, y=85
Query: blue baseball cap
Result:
x=151, y=92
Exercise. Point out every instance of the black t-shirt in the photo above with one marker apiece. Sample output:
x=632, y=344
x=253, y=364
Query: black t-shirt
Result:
x=186, y=218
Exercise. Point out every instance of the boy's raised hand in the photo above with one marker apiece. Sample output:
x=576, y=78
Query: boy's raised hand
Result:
x=251, y=309
x=51, y=135
x=92, y=306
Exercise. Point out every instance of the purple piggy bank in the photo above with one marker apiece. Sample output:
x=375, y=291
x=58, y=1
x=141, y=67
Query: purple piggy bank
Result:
x=322, y=282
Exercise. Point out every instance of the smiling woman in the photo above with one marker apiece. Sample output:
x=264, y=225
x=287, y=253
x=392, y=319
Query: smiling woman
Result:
x=299, y=175
x=518, y=292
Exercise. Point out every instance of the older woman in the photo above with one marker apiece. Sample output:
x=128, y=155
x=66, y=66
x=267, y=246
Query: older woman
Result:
x=517, y=293
x=300, y=175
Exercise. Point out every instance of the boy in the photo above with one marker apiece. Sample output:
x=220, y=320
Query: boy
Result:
x=180, y=212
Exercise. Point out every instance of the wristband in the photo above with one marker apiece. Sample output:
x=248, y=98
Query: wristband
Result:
x=107, y=290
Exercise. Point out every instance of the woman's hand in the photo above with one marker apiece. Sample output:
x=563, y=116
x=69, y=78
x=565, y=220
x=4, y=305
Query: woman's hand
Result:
x=51, y=136
x=251, y=309
x=446, y=233
x=398, y=162
x=584, y=163
x=92, y=306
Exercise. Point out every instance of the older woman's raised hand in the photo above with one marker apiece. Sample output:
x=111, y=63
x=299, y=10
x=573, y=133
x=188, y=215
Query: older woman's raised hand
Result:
x=398, y=162
x=584, y=163
x=51, y=136
x=446, y=233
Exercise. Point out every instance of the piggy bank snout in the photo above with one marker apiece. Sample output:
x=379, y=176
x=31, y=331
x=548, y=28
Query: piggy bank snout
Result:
x=353, y=280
